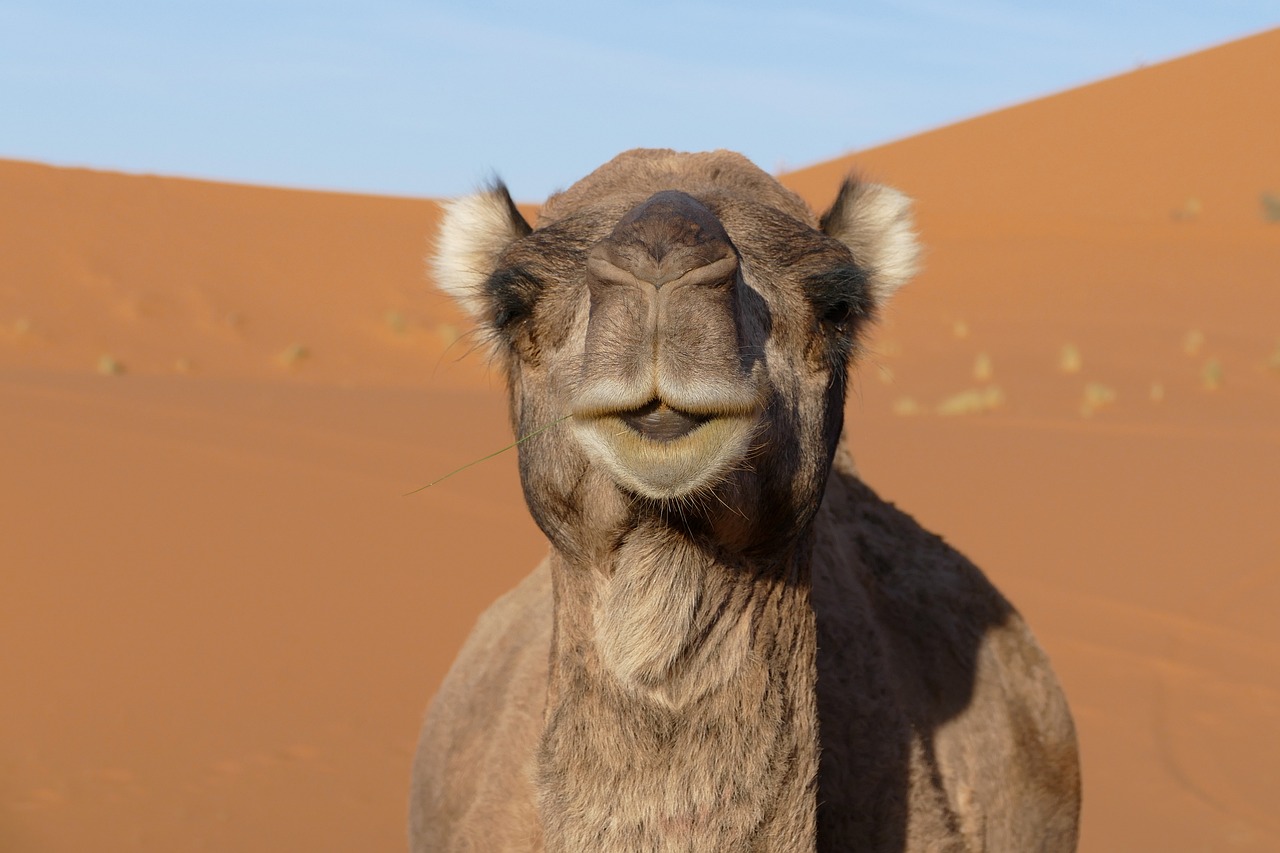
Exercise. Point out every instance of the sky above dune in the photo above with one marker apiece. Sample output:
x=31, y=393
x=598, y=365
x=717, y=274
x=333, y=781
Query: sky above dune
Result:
x=390, y=96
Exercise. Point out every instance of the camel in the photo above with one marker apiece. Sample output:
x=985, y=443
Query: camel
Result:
x=734, y=643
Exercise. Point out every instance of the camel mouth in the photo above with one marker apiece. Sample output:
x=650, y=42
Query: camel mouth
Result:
x=663, y=451
x=660, y=422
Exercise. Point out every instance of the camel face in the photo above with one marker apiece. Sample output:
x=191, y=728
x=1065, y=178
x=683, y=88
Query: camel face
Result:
x=695, y=325
x=672, y=387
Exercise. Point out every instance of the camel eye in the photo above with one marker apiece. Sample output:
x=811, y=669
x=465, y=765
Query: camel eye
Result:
x=838, y=312
x=512, y=293
x=839, y=296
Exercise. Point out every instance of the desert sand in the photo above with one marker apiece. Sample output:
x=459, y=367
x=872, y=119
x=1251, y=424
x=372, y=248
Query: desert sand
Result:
x=222, y=617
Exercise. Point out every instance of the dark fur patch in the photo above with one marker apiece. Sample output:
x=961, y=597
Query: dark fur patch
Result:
x=518, y=222
x=843, y=199
x=513, y=292
x=840, y=296
x=842, y=305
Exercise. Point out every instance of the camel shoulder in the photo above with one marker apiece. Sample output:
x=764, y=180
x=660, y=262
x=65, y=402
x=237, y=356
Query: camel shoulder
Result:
x=966, y=669
x=473, y=767
x=913, y=581
x=940, y=617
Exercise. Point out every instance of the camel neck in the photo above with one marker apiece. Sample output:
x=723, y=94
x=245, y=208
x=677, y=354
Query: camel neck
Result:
x=681, y=708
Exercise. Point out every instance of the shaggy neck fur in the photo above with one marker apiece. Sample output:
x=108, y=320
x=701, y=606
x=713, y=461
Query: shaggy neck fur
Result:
x=681, y=703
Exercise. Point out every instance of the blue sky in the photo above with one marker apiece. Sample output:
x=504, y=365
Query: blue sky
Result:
x=430, y=98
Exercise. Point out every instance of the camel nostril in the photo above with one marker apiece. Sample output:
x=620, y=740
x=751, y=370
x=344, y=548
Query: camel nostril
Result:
x=659, y=422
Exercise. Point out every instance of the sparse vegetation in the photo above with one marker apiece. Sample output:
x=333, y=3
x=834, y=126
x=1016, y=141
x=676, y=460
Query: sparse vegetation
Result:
x=906, y=407
x=294, y=355
x=1271, y=206
x=1193, y=342
x=1190, y=210
x=1096, y=396
x=972, y=402
x=1211, y=375
x=982, y=367
x=397, y=322
x=448, y=333
x=109, y=365
x=890, y=348
x=1069, y=360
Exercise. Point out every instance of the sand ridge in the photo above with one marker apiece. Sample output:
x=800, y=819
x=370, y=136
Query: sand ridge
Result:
x=224, y=619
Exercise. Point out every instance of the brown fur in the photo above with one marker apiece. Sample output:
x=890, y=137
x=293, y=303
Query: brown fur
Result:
x=734, y=644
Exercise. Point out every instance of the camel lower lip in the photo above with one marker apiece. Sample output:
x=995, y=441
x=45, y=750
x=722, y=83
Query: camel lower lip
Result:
x=667, y=467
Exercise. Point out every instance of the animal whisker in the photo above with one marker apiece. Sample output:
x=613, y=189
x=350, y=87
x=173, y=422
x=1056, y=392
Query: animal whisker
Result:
x=521, y=440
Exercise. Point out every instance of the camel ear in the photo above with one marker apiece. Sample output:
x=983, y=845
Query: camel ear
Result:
x=875, y=222
x=474, y=233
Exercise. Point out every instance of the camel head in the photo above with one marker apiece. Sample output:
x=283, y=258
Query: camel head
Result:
x=693, y=320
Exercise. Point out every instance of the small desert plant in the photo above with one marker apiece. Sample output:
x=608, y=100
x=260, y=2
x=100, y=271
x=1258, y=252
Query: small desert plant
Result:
x=906, y=407
x=396, y=322
x=1211, y=375
x=983, y=368
x=294, y=355
x=1096, y=396
x=448, y=334
x=1190, y=210
x=972, y=402
x=1069, y=360
x=889, y=348
x=1271, y=207
x=109, y=365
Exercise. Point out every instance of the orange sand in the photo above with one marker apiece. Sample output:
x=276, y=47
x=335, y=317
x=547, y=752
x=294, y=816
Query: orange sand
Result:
x=222, y=619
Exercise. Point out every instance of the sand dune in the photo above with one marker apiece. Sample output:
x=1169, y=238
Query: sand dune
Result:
x=1126, y=497
x=223, y=619
x=166, y=276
